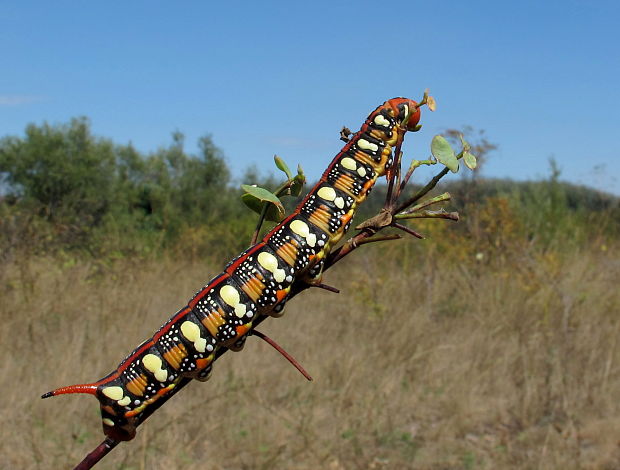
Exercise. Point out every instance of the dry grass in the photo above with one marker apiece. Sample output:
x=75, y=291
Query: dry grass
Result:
x=417, y=364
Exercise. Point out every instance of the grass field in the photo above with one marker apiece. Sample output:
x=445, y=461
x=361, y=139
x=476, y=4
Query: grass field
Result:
x=421, y=362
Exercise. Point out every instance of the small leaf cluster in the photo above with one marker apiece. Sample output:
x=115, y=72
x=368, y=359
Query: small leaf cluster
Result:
x=445, y=154
x=267, y=203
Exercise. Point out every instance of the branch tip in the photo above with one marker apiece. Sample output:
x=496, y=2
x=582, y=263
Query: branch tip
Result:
x=326, y=287
x=408, y=230
x=286, y=355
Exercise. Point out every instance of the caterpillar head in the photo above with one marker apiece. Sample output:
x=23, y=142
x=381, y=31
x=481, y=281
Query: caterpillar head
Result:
x=403, y=107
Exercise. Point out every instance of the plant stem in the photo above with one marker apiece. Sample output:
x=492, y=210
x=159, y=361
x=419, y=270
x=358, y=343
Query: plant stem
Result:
x=440, y=214
x=429, y=202
x=422, y=192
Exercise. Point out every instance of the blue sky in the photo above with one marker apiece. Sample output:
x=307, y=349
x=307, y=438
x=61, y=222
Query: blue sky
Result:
x=541, y=78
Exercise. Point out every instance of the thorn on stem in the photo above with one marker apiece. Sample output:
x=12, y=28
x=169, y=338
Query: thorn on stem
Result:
x=278, y=348
x=404, y=228
x=379, y=238
x=326, y=287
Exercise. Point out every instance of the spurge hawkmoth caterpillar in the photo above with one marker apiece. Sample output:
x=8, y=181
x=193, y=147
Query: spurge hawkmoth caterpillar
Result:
x=254, y=284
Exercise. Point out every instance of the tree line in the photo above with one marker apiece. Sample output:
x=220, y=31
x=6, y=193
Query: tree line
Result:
x=62, y=186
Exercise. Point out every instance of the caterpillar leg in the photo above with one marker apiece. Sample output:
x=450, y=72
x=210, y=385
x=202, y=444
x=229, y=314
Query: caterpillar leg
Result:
x=315, y=275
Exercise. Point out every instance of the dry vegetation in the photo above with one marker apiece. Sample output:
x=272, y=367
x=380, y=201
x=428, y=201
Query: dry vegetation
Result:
x=439, y=361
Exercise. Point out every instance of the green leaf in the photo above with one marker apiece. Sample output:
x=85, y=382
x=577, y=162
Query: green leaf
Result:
x=273, y=214
x=298, y=182
x=257, y=197
x=464, y=143
x=283, y=166
x=441, y=150
x=470, y=160
x=261, y=193
x=297, y=185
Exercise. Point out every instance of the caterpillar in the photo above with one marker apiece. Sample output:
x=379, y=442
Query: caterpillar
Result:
x=254, y=284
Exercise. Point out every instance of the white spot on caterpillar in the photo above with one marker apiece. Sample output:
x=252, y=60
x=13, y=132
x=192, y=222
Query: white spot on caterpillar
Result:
x=348, y=163
x=406, y=108
x=381, y=121
x=115, y=393
x=365, y=145
x=108, y=422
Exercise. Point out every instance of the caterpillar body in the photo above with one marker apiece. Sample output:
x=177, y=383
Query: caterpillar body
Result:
x=254, y=284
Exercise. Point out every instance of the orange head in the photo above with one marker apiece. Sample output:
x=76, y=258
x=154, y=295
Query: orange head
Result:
x=404, y=106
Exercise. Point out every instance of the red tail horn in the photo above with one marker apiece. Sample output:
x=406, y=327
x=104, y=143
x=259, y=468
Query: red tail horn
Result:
x=91, y=389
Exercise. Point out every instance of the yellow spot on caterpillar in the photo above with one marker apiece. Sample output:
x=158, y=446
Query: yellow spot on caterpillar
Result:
x=107, y=422
x=365, y=145
x=114, y=393
x=268, y=261
x=279, y=275
x=339, y=202
x=361, y=171
x=327, y=193
x=381, y=121
x=124, y=402
x=154, y=364
x=192, y=332
x=301, y=228
x=230, y=295
x=348, y=163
